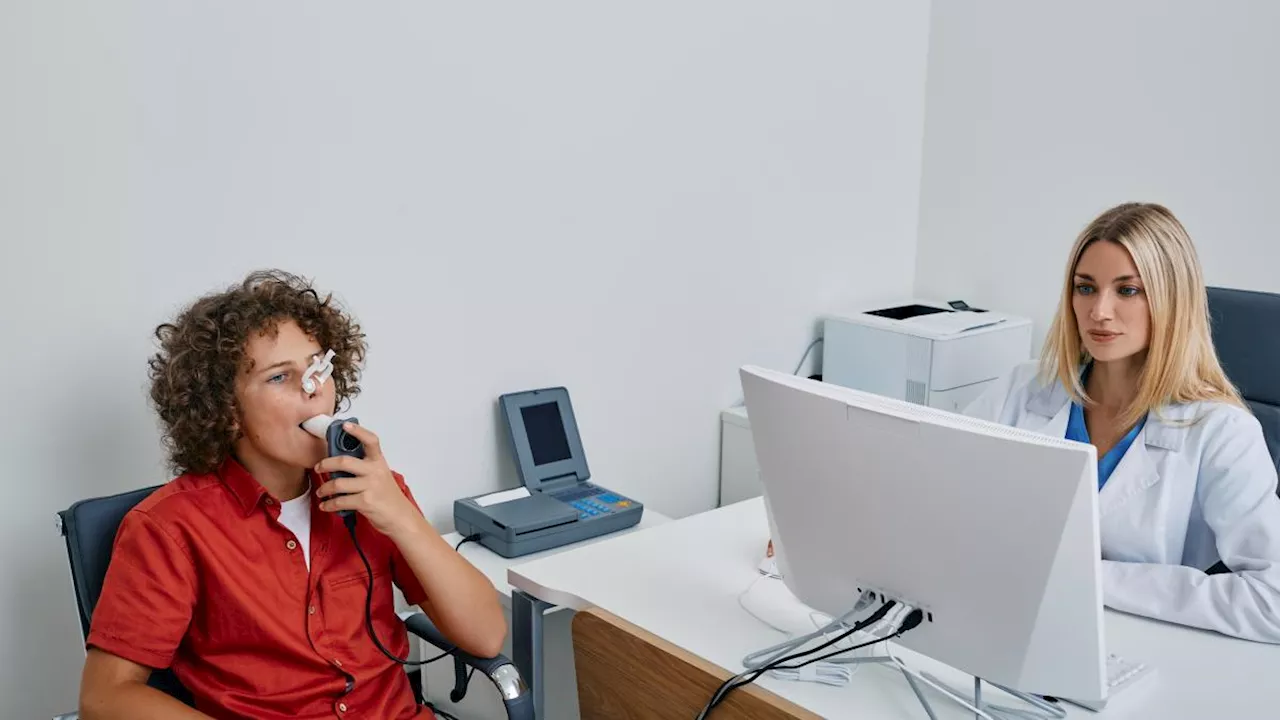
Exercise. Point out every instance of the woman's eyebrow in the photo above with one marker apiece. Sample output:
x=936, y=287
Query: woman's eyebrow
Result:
x=1122, y=278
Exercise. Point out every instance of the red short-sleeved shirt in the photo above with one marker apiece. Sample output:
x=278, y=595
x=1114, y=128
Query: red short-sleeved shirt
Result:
x=205, y=580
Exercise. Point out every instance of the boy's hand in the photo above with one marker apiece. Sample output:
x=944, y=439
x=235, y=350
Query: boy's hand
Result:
x=373, y=492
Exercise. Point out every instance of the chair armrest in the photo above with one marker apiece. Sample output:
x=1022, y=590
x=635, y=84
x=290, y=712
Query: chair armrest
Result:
x=499, y=669
x=419, y=624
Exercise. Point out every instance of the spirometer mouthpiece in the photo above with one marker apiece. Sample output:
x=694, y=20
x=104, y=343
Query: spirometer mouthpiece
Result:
x=318, y=372
x=318, y=425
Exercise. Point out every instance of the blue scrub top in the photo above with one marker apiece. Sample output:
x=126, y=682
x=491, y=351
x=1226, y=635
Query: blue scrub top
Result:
x=1076, y=430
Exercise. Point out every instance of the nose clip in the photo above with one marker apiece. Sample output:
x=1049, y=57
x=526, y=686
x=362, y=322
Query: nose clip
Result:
x=318, y=372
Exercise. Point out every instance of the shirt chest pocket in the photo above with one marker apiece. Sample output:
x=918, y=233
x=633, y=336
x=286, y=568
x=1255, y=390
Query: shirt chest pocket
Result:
x=345, y=599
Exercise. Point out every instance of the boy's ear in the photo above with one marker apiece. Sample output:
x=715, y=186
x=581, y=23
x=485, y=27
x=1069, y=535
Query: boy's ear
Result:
x=235, y=431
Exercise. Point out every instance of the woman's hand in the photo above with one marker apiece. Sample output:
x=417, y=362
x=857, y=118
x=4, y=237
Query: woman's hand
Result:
x=373, y=491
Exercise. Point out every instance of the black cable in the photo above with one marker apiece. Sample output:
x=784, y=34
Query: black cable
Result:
x=458, y=693
x=465, y=540
x=914, y=618
x=804, y=357
x=725, y=687
x=350, y=522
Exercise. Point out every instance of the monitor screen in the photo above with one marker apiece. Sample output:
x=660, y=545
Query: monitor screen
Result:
x=545, y=429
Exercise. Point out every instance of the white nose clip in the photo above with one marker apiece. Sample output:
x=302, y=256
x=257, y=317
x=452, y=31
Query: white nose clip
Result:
x=318, y=372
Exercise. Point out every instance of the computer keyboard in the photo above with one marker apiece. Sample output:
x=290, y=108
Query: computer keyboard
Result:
x=1122, y=674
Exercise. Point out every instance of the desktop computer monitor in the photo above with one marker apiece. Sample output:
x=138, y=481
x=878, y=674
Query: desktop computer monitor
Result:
x=991, y=531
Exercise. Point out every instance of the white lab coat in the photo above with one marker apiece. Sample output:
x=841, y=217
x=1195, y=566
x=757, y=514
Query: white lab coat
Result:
x=1182, y=498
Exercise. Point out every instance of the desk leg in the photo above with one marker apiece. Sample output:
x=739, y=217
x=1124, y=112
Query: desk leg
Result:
x=526, y=645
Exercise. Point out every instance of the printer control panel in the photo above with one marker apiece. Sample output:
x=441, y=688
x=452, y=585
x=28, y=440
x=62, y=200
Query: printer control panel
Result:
x=592, y=501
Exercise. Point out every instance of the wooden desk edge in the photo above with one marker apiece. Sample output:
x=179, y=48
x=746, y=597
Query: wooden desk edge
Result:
x=625, y=671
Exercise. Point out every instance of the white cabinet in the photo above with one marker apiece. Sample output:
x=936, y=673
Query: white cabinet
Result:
x=739, y=473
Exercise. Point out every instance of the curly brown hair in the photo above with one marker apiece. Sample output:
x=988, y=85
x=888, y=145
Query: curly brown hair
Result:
x=193, y=376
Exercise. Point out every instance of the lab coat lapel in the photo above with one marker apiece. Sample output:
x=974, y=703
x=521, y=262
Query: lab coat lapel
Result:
x=1047, y=411
x=1139, y=469
x=1136, y=472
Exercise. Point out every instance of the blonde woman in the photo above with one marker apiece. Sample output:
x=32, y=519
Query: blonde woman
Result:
x=1185, y=479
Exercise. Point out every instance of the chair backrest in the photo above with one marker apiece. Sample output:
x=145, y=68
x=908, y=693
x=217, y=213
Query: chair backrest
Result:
x=89, y=527
x=1246, y=335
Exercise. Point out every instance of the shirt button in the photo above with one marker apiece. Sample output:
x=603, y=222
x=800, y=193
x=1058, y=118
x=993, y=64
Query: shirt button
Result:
x=337, y=662
x=291, y=545
x=270, y=501
x=311, y=610
x=342, y=707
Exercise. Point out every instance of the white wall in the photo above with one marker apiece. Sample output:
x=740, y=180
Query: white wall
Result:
x=1041, y=115
x=631, y=200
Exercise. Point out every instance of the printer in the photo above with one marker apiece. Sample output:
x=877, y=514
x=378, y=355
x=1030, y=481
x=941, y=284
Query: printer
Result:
x=938, y=354
x=556, y=503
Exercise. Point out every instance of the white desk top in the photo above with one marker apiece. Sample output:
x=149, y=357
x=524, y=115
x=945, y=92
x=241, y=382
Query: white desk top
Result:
x=681, y=581
x=494, y=566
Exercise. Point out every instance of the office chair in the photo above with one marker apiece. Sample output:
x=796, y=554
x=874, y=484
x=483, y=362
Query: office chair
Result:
x=1246, y=335
x=89, y=527
x=1243, y=323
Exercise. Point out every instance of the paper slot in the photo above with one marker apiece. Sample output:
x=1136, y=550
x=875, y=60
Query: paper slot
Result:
x=503, y=496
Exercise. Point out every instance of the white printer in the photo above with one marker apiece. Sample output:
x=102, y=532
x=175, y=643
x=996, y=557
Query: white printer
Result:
x=938, y=354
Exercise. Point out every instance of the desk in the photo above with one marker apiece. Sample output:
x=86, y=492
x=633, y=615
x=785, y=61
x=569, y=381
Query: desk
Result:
x=681, y=582
x=526, y=612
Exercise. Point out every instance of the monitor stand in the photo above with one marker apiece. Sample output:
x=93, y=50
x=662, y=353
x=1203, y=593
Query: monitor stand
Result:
x=977, y=705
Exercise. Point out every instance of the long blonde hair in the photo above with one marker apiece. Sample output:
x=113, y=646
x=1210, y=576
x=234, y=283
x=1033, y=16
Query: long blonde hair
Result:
x=1181, y=364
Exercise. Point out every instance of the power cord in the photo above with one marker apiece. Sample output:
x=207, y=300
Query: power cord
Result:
x=914, y=618
x=799, y=365
x=838, y=670
x=350, y=522
x=804, y=357
x=465, y=540
x=823, y=629
x=749, y=676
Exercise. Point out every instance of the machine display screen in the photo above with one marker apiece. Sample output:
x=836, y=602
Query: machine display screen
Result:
x=545, y=430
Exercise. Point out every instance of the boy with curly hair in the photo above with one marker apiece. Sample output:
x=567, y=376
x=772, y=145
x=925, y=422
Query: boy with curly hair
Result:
x=238, y=575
